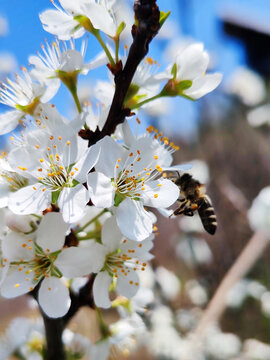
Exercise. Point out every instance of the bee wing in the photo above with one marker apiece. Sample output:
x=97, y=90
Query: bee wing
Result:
x=180, y=167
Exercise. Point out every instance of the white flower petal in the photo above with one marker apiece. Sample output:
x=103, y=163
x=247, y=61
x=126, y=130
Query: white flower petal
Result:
x=203, y=85
x=109, y=154
x=51, y=232
x=86, y=163
x=17, y=282
x=53, y=297
x=101, y=290
x=101, y=350
x=133, y=220
x=100, y=189
x=76, y=261
x=9, y=121
x=111, y=235
x=128, y=285
x=100, y=18
x=60, y=24
x=29, y=201
x=72, y=202
x=71, y=60
x=4, y=195
x=192, y=62
x=16, y=247
x=160, y=193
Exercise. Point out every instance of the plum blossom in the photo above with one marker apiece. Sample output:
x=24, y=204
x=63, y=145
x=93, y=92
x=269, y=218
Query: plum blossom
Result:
x=77, y=16
x=127, y=180
x=10, y=181
x=59, y=167
x=23, y=95
x=40, y=257
x=119, y=260
x=60, y=62
x=188, y=73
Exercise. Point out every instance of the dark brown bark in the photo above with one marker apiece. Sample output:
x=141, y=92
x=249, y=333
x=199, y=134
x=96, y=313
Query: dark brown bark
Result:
x=147, y=20
x=147, y=26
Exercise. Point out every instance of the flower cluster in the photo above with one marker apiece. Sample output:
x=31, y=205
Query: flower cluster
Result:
x=77, y=198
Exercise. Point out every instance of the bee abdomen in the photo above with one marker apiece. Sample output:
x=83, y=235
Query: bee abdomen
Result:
x=208, y=216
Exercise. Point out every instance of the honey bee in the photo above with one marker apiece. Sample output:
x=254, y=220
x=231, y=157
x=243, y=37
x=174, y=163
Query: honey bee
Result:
x=193, y=198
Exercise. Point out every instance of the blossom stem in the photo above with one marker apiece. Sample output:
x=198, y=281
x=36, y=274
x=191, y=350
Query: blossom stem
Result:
x=76, y=99
x=138, y=105
x=90, y=222
x=103, y=327
x=117, y=49
x=96, y=33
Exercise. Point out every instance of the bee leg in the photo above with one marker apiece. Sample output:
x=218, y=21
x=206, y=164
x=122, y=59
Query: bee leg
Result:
x=188, y=212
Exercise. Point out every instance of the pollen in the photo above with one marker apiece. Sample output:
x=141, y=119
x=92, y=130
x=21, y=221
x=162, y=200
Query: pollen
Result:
x=22, y=168
x=149, y=60
x=155, y=196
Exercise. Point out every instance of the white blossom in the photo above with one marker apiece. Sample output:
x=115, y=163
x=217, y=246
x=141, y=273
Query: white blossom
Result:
x=189, y=70
x=55, y=161
x=39, y=257
x=75, y=17
x=23, y=95
x=119, y=261
x=127, y=181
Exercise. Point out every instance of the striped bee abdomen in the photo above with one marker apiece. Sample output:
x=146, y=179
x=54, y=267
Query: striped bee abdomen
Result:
x=207, y=215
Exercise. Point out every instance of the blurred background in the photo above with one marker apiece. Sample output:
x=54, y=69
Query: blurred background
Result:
x=226, y=135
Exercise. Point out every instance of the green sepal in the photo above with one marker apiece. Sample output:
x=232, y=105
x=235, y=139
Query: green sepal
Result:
x=85, y=22
x=71, y=184
x=163, y=17
x=132, y=91
x=118, y=198
x=56, y=272
x=30, y=108
x=121, y=27
x=55, y=196
x=174, y=71
x=183, y=85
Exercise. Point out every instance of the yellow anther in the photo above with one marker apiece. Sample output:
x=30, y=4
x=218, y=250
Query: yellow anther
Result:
x=41, y=160
x=37, y=146
x=16, y=285
x=68, y=143
x=155, y=196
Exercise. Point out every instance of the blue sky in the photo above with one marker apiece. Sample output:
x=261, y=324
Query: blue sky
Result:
x=194, y=17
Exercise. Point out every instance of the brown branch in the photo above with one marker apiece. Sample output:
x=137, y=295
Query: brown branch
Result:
x=147, y=26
